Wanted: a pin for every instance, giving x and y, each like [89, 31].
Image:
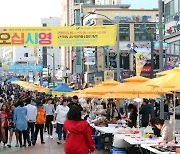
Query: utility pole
[117, 49]
[53, 70]
[161, 52]
[160, 36]
[81, 48]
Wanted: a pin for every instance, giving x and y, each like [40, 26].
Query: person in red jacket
[78, 139]
[5, 115]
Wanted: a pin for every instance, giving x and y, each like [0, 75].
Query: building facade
[132, 39]
[172, 30]
[78, 13]
[46, 53]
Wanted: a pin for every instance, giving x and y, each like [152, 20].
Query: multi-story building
[171, 19]
[79, 12]
[7, 55]
[46, 55]
[130, 34]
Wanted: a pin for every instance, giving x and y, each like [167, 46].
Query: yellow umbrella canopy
[167, 81]
[168, 72]
[31, 86]
[109, 82]
[136, 79]
[129, 83]
[129, 95]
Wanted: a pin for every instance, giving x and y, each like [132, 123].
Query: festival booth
[30, 86]
[136, 87]
[61, 89]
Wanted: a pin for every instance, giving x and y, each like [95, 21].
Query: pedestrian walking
[20, 120]
[60, 117]
[79, 139]
[49, 109]
[31, 117]
[12, 128]
[5, 115]
[40, 120]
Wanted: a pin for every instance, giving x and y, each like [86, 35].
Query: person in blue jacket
[20, 120]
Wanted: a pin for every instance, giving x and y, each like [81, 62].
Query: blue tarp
[12, 79]
[62, 88]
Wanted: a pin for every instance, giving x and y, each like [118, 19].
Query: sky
[30, 12]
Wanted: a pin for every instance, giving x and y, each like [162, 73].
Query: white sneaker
[48, 136]
[51, 137]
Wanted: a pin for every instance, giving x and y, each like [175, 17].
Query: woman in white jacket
[166, 131]
[60, 117]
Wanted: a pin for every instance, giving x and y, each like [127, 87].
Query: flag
[141, 59]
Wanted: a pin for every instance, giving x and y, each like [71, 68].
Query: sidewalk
[50, 147]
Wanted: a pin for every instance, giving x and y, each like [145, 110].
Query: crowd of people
[26, 113]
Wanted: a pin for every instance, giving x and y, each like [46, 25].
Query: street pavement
[50, 147]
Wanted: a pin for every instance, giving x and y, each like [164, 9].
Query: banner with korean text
[141, 59]
[58, 36]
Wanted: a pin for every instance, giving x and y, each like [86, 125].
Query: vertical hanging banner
[108, 75]
[141, 59]
[89, 55]
[58, 36]
[170, 61]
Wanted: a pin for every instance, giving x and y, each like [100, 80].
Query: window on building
[124, 32]
[124, 62]
[144, 35]
[78, 1]
[25, 54]
[78, 56]
[44, 25]
[177, 47]
[77, 17]
[169, 11]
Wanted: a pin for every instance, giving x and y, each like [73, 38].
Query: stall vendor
[166, 131]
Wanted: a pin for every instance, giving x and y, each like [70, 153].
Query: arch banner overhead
[58, 36]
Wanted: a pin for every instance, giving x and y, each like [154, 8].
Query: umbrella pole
[138, 125]
[174, 114]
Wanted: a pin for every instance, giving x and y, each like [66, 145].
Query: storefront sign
[58, 36]
[28, 67]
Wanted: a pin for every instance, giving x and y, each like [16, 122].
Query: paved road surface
[50, 147]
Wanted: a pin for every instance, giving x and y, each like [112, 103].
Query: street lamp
[53, 67]
[117, 40]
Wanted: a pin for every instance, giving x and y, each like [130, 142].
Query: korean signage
[58, 36]
[156, 46]
[135, 18]
[28, 67]
[89, 54]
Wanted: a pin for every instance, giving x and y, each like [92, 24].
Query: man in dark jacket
[146, 112]
[75, 102]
